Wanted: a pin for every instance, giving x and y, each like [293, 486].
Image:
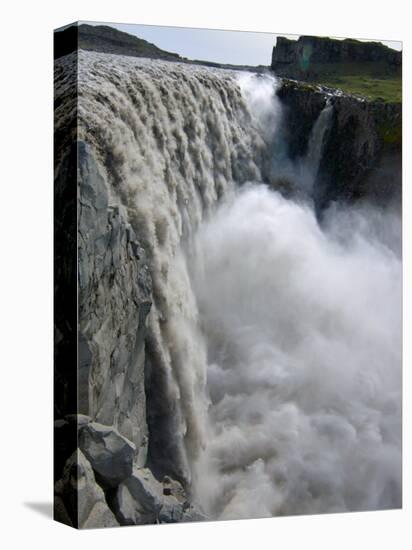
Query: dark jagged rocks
[101, 485]
[312, 56]
[114, 300]
[363, 145]
[362, 151]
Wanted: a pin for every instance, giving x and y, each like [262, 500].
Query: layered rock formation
[100, 481]
[102, 486]
[80, 500]
[312, 56]
[114, 301]
[361, 148]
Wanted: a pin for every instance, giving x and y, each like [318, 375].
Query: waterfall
[317, 140]
[273, 345]
[303, 334]
[172, 139]
[306, 169]
[295, 178]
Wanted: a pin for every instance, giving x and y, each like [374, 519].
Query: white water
[315, 147]
[304, 363]
[172, 139]
[279, 342]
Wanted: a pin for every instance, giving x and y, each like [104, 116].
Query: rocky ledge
[362, 149]
[312, 56]
[102, 485]
[101, 429]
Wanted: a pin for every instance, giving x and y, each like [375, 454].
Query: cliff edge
[311, 57]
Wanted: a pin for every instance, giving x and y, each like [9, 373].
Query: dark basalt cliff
[312, 56]
[362, 148]
[102, 297]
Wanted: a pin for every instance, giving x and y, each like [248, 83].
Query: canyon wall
[362, 152]
[313, 56]
[142, 160]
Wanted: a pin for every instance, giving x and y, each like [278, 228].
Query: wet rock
[65, 439]
[192, 513]
[110, 454]
[84, 501]
[142, 499]
[114, 300]
[171, 510]
[60, 512]
[139, 499]
[171, 487]
[361, 158]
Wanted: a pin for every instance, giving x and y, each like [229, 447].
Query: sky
[234, 47]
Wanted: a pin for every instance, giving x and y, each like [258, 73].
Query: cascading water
[304, 345]
[172, 139]
[273, 345]
[298, 177]
[315, 147]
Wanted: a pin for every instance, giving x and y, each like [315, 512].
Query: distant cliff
[312, 56]
[105, 39]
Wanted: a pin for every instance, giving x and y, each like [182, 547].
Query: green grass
[390, 134]
[384, 89]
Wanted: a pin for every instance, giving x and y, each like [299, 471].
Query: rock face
[100, 418]
[362, 146]
[65, 266]
[81, 501]
[303, 104]
[139, 499]
[313, 55]
[114, 301]
[102, 486]
[142, 499]
[110, 454]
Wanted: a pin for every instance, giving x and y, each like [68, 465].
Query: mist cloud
[303, 333]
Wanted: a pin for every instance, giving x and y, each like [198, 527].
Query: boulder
[65, 439]
[192, 513]
[60, 512]
[139, 499]
[84, 501]
[171, 510]
[142, 499]
[110, 454]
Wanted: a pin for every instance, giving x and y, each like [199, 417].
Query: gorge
[239, 294]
